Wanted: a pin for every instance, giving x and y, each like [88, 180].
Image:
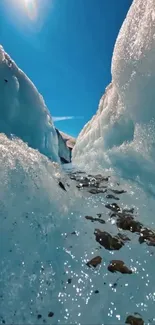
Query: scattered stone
[96, 291]
[39, 316]
[113, 207]
[73, 177]
[110, 196]
[94, 261]
[99, 215]
[148, 236]
[132, 320]
[73, 233]
[62, 186]
[100, 178]
[94, 219]
[123, 237]
[114, 285]
[50, 314]
[117, 191]
[97, 191]
[118, 266]
[128, 223]
[107, 241]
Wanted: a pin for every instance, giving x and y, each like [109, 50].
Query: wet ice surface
[44, 253]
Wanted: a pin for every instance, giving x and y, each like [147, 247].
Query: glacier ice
[45, 243]
[45, 239]
[121, 134]
[23, 111]
[64, 151]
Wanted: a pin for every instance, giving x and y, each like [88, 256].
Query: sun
[31, 8]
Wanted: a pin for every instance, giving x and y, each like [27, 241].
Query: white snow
[45, 239]
[23, 112]
[121, 134]
[39, 253]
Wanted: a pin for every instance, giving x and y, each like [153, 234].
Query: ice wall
[121, 134]
[23, 112]
[64, 152]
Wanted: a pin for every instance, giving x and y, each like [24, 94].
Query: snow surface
[45, 240]
[121, 134]
[23, 112]
[39, 253]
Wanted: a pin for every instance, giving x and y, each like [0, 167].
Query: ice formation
[46, 240]
[23, 112]
[45, 243]
[64, 151]
[70, 141]
[121, 134]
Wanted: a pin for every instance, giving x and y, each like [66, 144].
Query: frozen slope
[121, 134]
[23, 112]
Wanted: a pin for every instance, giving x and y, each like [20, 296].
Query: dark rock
[69, 281]
[107, 241]
[148, 236]
[113, 207]
[99, 177]
[128, 223]
[97, 191]
[62, 186]
[118, 266]
[99, 215]
[39, 316]
[114, 285]
[123, 237]
[117, 191]
[63, 160]
[94, 219]
[73, 177]
[78, 172]
[132, 320]
[110, 196]
[6, 80]
[50, 314]
[96, 291]
[94, 261]
[73, 233]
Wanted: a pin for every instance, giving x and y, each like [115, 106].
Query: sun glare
[31, 8]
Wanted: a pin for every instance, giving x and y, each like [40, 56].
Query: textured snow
[45, 240]
[39, 253]
[23, 112]
[121, 134]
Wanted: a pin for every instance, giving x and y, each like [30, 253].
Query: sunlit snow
[121, 134]
[47, 233]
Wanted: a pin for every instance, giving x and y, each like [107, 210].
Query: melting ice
[54, 222]
[121, 134]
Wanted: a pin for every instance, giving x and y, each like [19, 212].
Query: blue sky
[65, 49]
